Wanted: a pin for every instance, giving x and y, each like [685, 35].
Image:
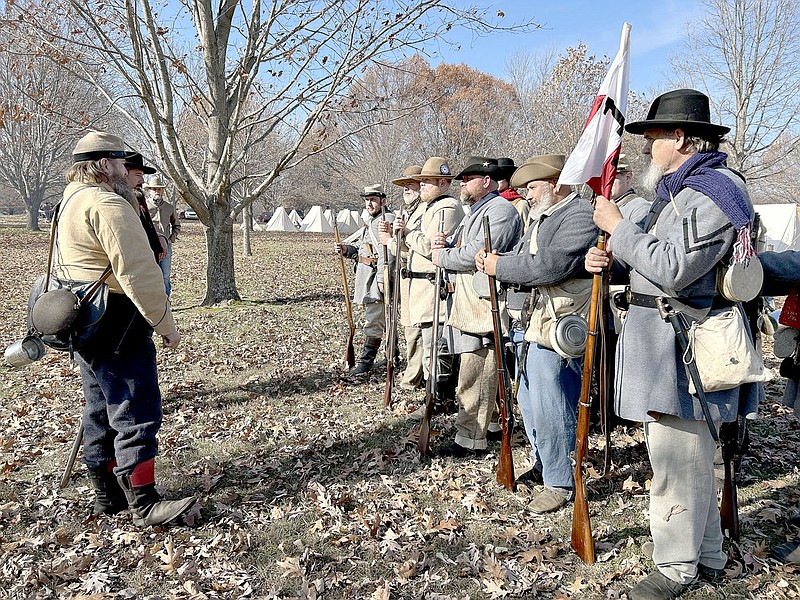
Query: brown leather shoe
[657, 586]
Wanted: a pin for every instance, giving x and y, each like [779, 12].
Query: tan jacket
[416, 295]
[97, 227]
[524, 209]
[165, 219]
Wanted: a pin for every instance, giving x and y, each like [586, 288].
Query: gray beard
[411, 200]
[651, 178]
[547, 201]
[121, 188]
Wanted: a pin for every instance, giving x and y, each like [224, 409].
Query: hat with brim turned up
[483, 166]
[679, 109]
[546, 166]
[408, 176]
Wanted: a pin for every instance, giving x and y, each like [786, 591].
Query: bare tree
[35, 134]
[245, 71]
[744, 54]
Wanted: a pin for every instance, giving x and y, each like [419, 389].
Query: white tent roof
[346, 222]
[280, 221]
[782, 225]
[295, 217]
[329, 216]
[365, 216]
[315, 222]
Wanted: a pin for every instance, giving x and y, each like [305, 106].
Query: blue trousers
[548, 398]
[166, 268]
[120, 385]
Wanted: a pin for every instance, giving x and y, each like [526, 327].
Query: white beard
[651, 178]
[546, 202]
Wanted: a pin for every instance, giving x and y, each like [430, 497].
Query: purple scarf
[699, 173]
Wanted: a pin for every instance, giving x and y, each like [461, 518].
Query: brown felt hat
[435, 167]
[546, 166]
[408, 175]
[155, 182]
[98, 144]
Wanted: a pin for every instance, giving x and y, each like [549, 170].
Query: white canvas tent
[346, 223]
[329, 216]
[280, 221]
[295, 217]
[315, 222]
[782, 225]
[365, 216]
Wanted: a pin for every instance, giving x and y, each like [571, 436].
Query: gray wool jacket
[677, 257]
[459, 261]
[562, 239]
[368, 276]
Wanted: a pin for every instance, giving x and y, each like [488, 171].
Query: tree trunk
[220, 275]
[247, 227]
[33, 218]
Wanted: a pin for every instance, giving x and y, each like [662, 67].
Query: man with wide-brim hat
[98, 227]
[469, 324]
[547, 283]
[134, 180]
[701, 219]
[368, 254]
[417, 284]
[510, 193]
[166, 220]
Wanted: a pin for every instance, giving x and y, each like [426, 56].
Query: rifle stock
[505, 465]
[350, 353]
[431, 386]
[582, 541]
[729, 509]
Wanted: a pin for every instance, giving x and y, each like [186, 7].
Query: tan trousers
[414, 373]
[476, 392]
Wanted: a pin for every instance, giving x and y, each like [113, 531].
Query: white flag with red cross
[594, 159]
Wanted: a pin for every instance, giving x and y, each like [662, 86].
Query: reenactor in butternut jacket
[417, 285]
[470, 326]
[98, 227]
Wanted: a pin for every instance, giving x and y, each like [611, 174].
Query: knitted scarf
[510, 194]
[699, 173]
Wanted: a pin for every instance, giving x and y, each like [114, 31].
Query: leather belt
[697, 302]
[450, 287]
[364, 260]
[406, 274]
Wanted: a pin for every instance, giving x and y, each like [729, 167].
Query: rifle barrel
[350, 354]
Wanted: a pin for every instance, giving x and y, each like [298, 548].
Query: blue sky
[656, 33]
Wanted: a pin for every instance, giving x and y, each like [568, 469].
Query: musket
[391, 322]
[505, 466]
[431, 386]
[76, 446]
[605, 369]
[582, 541]
[731, 440]
[350, 357]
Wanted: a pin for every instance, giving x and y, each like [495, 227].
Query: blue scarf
[699, 173]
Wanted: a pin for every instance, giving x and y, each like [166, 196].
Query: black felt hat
[137, 162]
[507, 167]
[685, 109]
[481, 165]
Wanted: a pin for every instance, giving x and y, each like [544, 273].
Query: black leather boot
[145, 503]
[109, 497]
[367, 358]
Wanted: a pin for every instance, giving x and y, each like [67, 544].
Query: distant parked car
[190, 215]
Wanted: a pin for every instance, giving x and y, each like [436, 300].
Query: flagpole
[594, 162]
